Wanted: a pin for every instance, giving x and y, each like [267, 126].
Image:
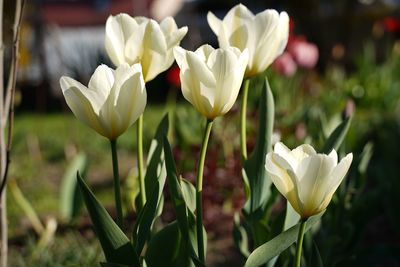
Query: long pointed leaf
[116, 246]
[254, 166]
[155, 180]
[336, 138]
[70, 199]
[156, 167]
[167, 248]
[185, 218]
[278, 244]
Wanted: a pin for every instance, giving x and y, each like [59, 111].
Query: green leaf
[167, 248]
[145, 220]
[185, 218]
[336, 138]
[254, 169]
[365, 157]
[275, 246]
[71, 199]
[240, 236]
[189, 194]
[155, 180]
[155, 161]
[116, 246]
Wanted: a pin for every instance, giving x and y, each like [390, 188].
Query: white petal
[180, 57]
[303, 151]
[172, 34]
[239, 70]
[153, 59]
[174, 38]
[273, 32]
[337, 176]
[134, 45]
[286, 153]
[204, 52]
[278, 175]
[284, 32]
[203, 83]
[79, 103]
[338, 173]
[214, 22]
[168, 25]
[118, 31]
[314, 177]
[132, 98]
[228, 75]
[102, 81]
[334, 156]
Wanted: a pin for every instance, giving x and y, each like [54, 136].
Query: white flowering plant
[211, 79]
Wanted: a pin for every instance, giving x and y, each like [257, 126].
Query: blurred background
[342, 59]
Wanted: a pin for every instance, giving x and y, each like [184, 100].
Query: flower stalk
[142, 191]
[299, 243]
[243, 112]
[199, 191]
[117, 185]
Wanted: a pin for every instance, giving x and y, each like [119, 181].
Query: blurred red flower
[173, 76]
[391, 24]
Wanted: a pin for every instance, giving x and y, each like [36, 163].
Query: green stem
[117, 186]
[299, 243]
[243, 112]
[199, 190]
[140, 160]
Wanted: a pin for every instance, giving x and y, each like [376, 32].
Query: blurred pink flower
[299, 52]
[304, 53]
[285, 65]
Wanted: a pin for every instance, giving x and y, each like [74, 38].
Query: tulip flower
[210, 81]
[211, 78]
[112, 101]
[265, 35]
[142, 40]
[306, 178]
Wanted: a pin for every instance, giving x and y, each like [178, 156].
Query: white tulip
[112, 101]
[142, 40]
[306, 178]
[265, 35]
[211, 78]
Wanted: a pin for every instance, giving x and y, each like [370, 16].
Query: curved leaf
[155, 180]
[185, 218]
[116, 246]
[167, 248]
[275, 246]
[70, 198]
[254, 170]
[336, 138]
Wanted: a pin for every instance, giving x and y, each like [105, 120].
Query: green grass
[40, 157]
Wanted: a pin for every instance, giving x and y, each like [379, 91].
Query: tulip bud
[306, 178]
[142, 40]
[211, 78]
[112, 101]
[265, 35]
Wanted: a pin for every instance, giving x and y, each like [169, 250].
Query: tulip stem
[243, 112]
[199, 190]
[140, 160]
[117, 186]
[299, 243]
